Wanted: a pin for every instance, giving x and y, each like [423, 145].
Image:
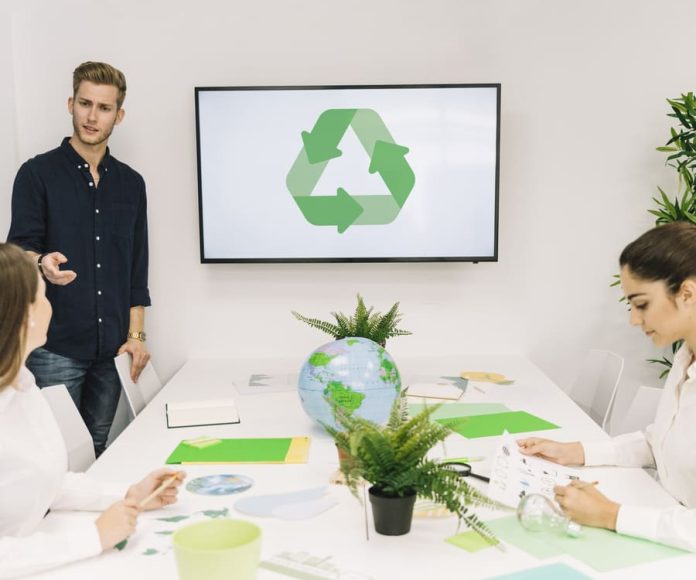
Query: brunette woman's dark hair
[666, 253]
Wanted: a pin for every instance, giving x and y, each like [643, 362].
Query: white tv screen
[348, 173]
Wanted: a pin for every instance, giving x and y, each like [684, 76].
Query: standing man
[82, 215]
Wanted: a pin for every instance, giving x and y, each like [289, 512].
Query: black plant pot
[392, 515]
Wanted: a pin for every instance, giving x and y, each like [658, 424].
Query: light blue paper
[296, 505]
[550, 572]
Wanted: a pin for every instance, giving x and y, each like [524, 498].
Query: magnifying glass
[464, 470]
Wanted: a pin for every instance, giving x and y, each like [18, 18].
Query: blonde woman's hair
[18, 285]
[100, 73]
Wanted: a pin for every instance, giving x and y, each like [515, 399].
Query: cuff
[599, 452]
[140, 297]
[637, 521]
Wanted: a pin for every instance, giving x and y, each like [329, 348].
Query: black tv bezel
[204, 260]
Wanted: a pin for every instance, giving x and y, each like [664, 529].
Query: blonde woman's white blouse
[669, 444]
[33, 479]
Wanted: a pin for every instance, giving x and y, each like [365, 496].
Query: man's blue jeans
[93, 385]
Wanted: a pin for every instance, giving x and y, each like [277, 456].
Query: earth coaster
[224, 484]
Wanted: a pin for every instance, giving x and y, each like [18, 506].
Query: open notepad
[200, 413]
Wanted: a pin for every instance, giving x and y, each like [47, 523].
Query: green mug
[220, 549]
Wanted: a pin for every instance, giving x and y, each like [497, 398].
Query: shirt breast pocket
[123, 222]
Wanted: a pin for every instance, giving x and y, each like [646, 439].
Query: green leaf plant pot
[392, 515]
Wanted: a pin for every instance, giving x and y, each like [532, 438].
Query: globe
[356, 374]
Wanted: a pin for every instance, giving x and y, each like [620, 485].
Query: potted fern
[392, 459]
[363, 323]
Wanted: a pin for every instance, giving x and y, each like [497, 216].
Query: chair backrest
[77, 439]
[141, 393]
[641, 411]
[594, 390]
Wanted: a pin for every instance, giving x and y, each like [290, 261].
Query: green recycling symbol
[321, 146]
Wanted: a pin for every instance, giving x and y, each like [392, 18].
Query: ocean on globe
[357, 374]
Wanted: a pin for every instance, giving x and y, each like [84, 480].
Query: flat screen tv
[348, 173]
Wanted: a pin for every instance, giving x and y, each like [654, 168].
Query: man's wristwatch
[140, 335]
[38, 263]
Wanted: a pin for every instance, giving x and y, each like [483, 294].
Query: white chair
[594, 390]
[77, 439]
[141, 393]
[641, 411]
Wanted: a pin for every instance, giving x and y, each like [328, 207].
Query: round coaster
[224, 484]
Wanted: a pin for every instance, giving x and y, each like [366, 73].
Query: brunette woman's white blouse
[33, 479]
[669, 444]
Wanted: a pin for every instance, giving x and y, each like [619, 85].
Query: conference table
[340, 542]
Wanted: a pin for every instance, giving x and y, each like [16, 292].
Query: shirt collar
[77, 159]
[683, 358]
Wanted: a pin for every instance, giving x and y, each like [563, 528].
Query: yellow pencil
[164, 485]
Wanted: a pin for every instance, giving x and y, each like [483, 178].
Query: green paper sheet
[234, 451]
[551, 572]
[598, 548]
[496, 424]
[469, 541]
[454, 410]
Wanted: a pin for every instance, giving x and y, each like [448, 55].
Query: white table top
[341, 532]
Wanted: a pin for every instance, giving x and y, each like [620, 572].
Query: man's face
[94, 112]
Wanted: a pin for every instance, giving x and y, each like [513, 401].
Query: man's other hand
[50, 266]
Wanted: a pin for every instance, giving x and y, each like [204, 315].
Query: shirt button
[96, 210]
[86, 165]
[91, 184]
[99, 292]
[100, 321]
[98, 265]
[97, 238]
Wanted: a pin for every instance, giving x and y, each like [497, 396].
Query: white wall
[8, 149]
[583, 108]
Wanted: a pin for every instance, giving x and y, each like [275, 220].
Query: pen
[164, 485]
[466, 459]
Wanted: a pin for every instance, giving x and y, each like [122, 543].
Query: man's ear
[687, 291]
[119, 116]
[70, 105]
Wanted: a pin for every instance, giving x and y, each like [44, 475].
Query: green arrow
[322, 143]
[388, 159]
[339, 210]
[303, 176]
[377, 210]
[370, 128]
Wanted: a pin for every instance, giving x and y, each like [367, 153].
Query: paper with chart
[514, 475]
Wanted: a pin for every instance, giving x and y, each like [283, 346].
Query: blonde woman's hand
[561, 453]
[117, 523]
[141, 490]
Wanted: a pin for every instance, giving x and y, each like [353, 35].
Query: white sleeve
[21, 556]
[628, 450]
[675, 526]
[81, 492]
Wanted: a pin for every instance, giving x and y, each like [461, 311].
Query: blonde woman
[658, 276]
[33, 460]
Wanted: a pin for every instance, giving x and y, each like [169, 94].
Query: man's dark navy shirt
[101, 230]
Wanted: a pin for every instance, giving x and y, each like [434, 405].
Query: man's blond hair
[100, 73]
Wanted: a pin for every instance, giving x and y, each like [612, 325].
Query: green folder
[261, 450]
[496, 424]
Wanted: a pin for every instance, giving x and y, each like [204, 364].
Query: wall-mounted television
[348, 173]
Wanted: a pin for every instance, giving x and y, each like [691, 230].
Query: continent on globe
[344, 396]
